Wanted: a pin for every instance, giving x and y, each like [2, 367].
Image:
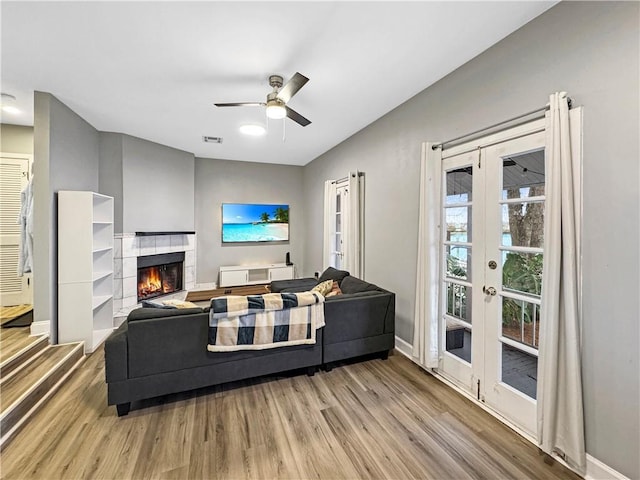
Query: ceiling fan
[277, 100]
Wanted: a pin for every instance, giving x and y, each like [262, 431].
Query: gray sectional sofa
[157, 352]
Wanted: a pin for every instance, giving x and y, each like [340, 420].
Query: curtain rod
[537, 110]
[344, 179]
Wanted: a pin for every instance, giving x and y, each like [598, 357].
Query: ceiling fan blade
[240, 104]
[296, 117]
[291, 88]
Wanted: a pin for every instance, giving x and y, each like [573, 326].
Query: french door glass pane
[520, 370]
[457, 224]
[458, 340]
[523, 175]
[522, 272]
[521, 321]
[523, 224]
[459, 185]
[459, 301]
[458, 261]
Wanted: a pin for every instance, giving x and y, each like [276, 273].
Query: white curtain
[329, 219]
[425, 332]
[354, 251]
[559, 399]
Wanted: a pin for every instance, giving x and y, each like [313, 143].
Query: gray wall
[220, 181]
[157, 187]
[16, 139]
[65, 158]
[110, 174]
[590, 50]
[152, 184]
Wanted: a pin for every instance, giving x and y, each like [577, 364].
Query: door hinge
[479, 157]
[478, 389]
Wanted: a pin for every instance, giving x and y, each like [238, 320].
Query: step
[18, 351]
[27, 387]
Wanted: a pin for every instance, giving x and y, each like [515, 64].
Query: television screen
[248, 222]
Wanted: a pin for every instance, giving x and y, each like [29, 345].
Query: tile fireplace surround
[128, 247]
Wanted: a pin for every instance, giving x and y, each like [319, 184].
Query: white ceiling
[154, 69]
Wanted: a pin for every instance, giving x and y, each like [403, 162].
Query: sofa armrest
[295, 285]
[115, 355]
[390, 317]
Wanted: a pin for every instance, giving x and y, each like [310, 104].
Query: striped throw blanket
[256, 322]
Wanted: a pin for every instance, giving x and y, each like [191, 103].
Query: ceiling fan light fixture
[253, 130]
[276, 110]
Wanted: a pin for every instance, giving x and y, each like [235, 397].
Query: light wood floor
[7, 313]
[12, 340]
[374, 419]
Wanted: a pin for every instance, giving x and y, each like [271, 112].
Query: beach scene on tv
[244, 222]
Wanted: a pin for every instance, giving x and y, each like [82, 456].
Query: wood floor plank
[14, 339]
[373, 419]
[8, 313]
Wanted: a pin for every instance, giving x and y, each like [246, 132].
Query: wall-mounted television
[252, 222]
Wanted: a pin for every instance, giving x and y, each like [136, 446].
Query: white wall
[590, 50]
[220, 181]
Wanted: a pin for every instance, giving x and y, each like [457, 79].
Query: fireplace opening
[159, 275]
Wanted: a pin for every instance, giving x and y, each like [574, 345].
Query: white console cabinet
[237, 275]
[85, 268]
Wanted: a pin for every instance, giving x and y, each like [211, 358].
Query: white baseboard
[41, 328]
[404, 348]
[596, 470]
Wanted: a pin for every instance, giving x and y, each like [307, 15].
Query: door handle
[489, 291]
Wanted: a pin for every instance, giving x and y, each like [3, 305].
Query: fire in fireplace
[159, 274]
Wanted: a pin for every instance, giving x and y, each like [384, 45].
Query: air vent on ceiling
[212, 139]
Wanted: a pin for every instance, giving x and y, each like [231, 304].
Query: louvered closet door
[14, 290]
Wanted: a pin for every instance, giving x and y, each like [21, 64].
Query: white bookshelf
[85, 268]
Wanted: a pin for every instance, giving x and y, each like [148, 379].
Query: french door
[491, 247]
[340, 227]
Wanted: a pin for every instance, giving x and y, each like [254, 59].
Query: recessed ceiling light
[10, 109]
[254, 130]
[7, 101]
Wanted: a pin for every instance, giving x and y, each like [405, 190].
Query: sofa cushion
[296, 285]
[355, 285]
[146, 313]
[150, 304]
[179, 303]
[333, 274]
